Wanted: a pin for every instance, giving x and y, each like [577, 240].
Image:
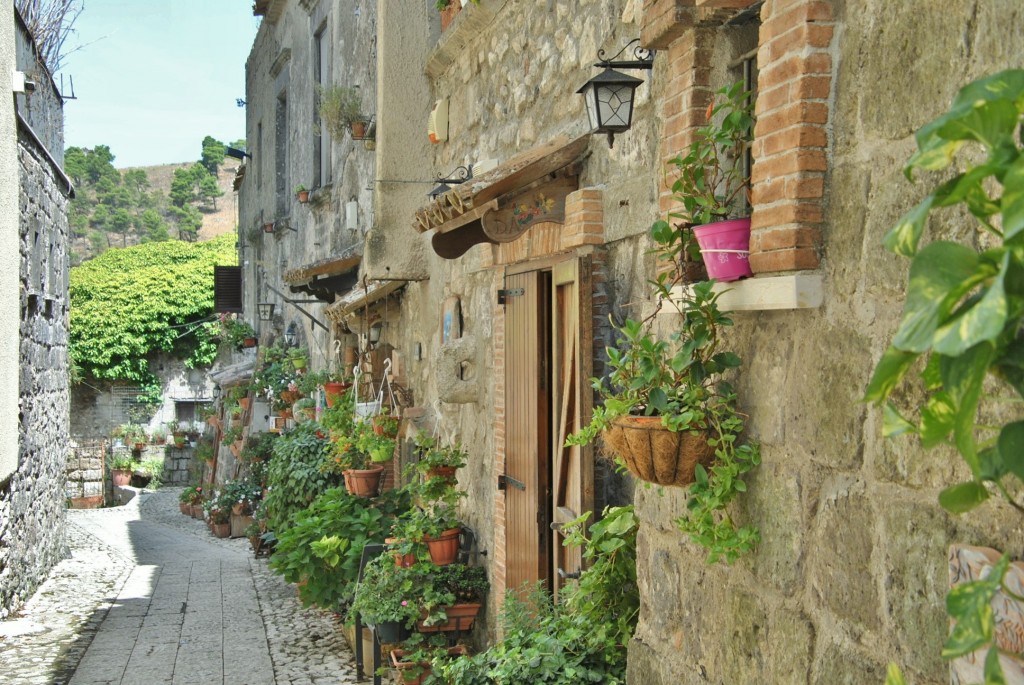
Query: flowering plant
[193, 494]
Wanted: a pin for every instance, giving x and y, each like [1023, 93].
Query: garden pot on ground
[655, 454]
[197, 511]
[90, 502]
[222, 530]
[444, 549]
[363, 482]
[239, 522]
[404, 667]
[185, 508]
[250, 342]
[121, 477]
[725, 248]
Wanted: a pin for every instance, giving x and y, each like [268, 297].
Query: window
[321, 136]
[281, 155]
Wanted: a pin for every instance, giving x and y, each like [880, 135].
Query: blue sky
[155, 76]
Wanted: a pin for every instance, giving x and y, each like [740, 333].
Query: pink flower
[405, 603]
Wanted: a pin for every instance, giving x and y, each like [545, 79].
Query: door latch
[505, 480]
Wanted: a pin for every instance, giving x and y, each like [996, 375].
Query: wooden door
[572, 473]
[526, 429]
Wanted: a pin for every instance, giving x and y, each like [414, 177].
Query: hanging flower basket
[334, 391]
[655, 454]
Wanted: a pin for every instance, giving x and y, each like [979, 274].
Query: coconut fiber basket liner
[655, 454]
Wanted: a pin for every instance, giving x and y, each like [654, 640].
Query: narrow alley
[147, 596]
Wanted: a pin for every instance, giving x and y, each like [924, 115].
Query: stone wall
[851, 572]
[32, 499]
[281, 78]
[85, 476]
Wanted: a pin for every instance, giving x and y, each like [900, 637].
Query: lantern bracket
[643, 58]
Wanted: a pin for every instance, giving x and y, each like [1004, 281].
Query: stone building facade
[32, 485]
[851, 571]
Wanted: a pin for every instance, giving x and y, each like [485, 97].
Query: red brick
[782, 16]
[769, 191]
[770, 239]
[805, 187]
[812, 88]
[781, 215]
[772, 99]
[806, 136]
[801, 112]
[794, 259]
[664, 21]
[792, 67]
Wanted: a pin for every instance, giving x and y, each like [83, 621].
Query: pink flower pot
[725, 247]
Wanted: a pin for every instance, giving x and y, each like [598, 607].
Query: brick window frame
[791, 137]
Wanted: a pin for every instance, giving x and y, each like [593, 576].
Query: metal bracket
[509, 292]
[568, 576]
[505, 480]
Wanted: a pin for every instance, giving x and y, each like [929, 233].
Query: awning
[325, 278]
[361, 296]
[234, 374]
[236, 183]
[502, 204]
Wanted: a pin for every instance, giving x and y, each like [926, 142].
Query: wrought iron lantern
[266, 310]
[609, 96]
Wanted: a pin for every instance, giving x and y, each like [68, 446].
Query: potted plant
[384, 423]
[159, 436]
[711, 180]
[301, 193]
[237, 333]
[305, 409]
[340, 109]
[362, 477]
[121, 468]
[193, 494]
[133, 435]
[413, 660]
[388, 598]
[671, 418]
[298, 356]
[205, 451]
[436, 460]
[334, 389]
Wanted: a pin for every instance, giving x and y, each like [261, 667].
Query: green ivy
[129, 304]
[294, 476]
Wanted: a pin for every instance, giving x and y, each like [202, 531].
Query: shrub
[294, 478]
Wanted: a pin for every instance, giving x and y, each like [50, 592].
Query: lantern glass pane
[590, 98]
[616, 105]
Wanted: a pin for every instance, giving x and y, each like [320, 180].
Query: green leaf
[961, 498]
[937, 418]
[984, 320]
[903, 238]
[970, 605]
[1011, 448]
[990, 123]
[893, 676]
[891, 368]
[893, 423]
[941, 273]
[1012, 201]
[963, 378]
[993, 669]
[990, 465]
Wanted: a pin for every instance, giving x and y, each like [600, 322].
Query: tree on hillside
[130, 304]
[212, 155]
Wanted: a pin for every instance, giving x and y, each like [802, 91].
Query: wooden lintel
[469, 217]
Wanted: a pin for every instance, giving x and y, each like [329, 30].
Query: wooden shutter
[572, 473]
[227, 289]
[526, 431]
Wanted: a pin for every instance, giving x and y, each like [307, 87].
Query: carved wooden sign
[515, 217]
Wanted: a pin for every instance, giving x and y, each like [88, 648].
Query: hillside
[215, 223]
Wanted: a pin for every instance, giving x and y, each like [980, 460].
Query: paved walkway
[149, 597]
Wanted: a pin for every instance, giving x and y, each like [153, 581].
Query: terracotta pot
[244, 403]
[398, 661]
[237, 509]
[460, 618]
[444, 549]
[334, 391]
[120, 477]
[401, 560]
[358, 130]
[289, 396]
[222, 530]
[447, 472]
[363, 482]
[448, 14]
[268, 228]
[197, 511]
[655, 454]
[302, 196]
[185, 508]
[91, 502]
[250, 342]
[139, 446]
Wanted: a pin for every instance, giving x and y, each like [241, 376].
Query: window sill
[791, 291]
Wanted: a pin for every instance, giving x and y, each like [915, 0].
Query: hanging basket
[655, 454]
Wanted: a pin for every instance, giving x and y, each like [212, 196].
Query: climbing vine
[129, 304]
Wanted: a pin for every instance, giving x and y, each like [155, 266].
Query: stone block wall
[32, 499]
[85, 472]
